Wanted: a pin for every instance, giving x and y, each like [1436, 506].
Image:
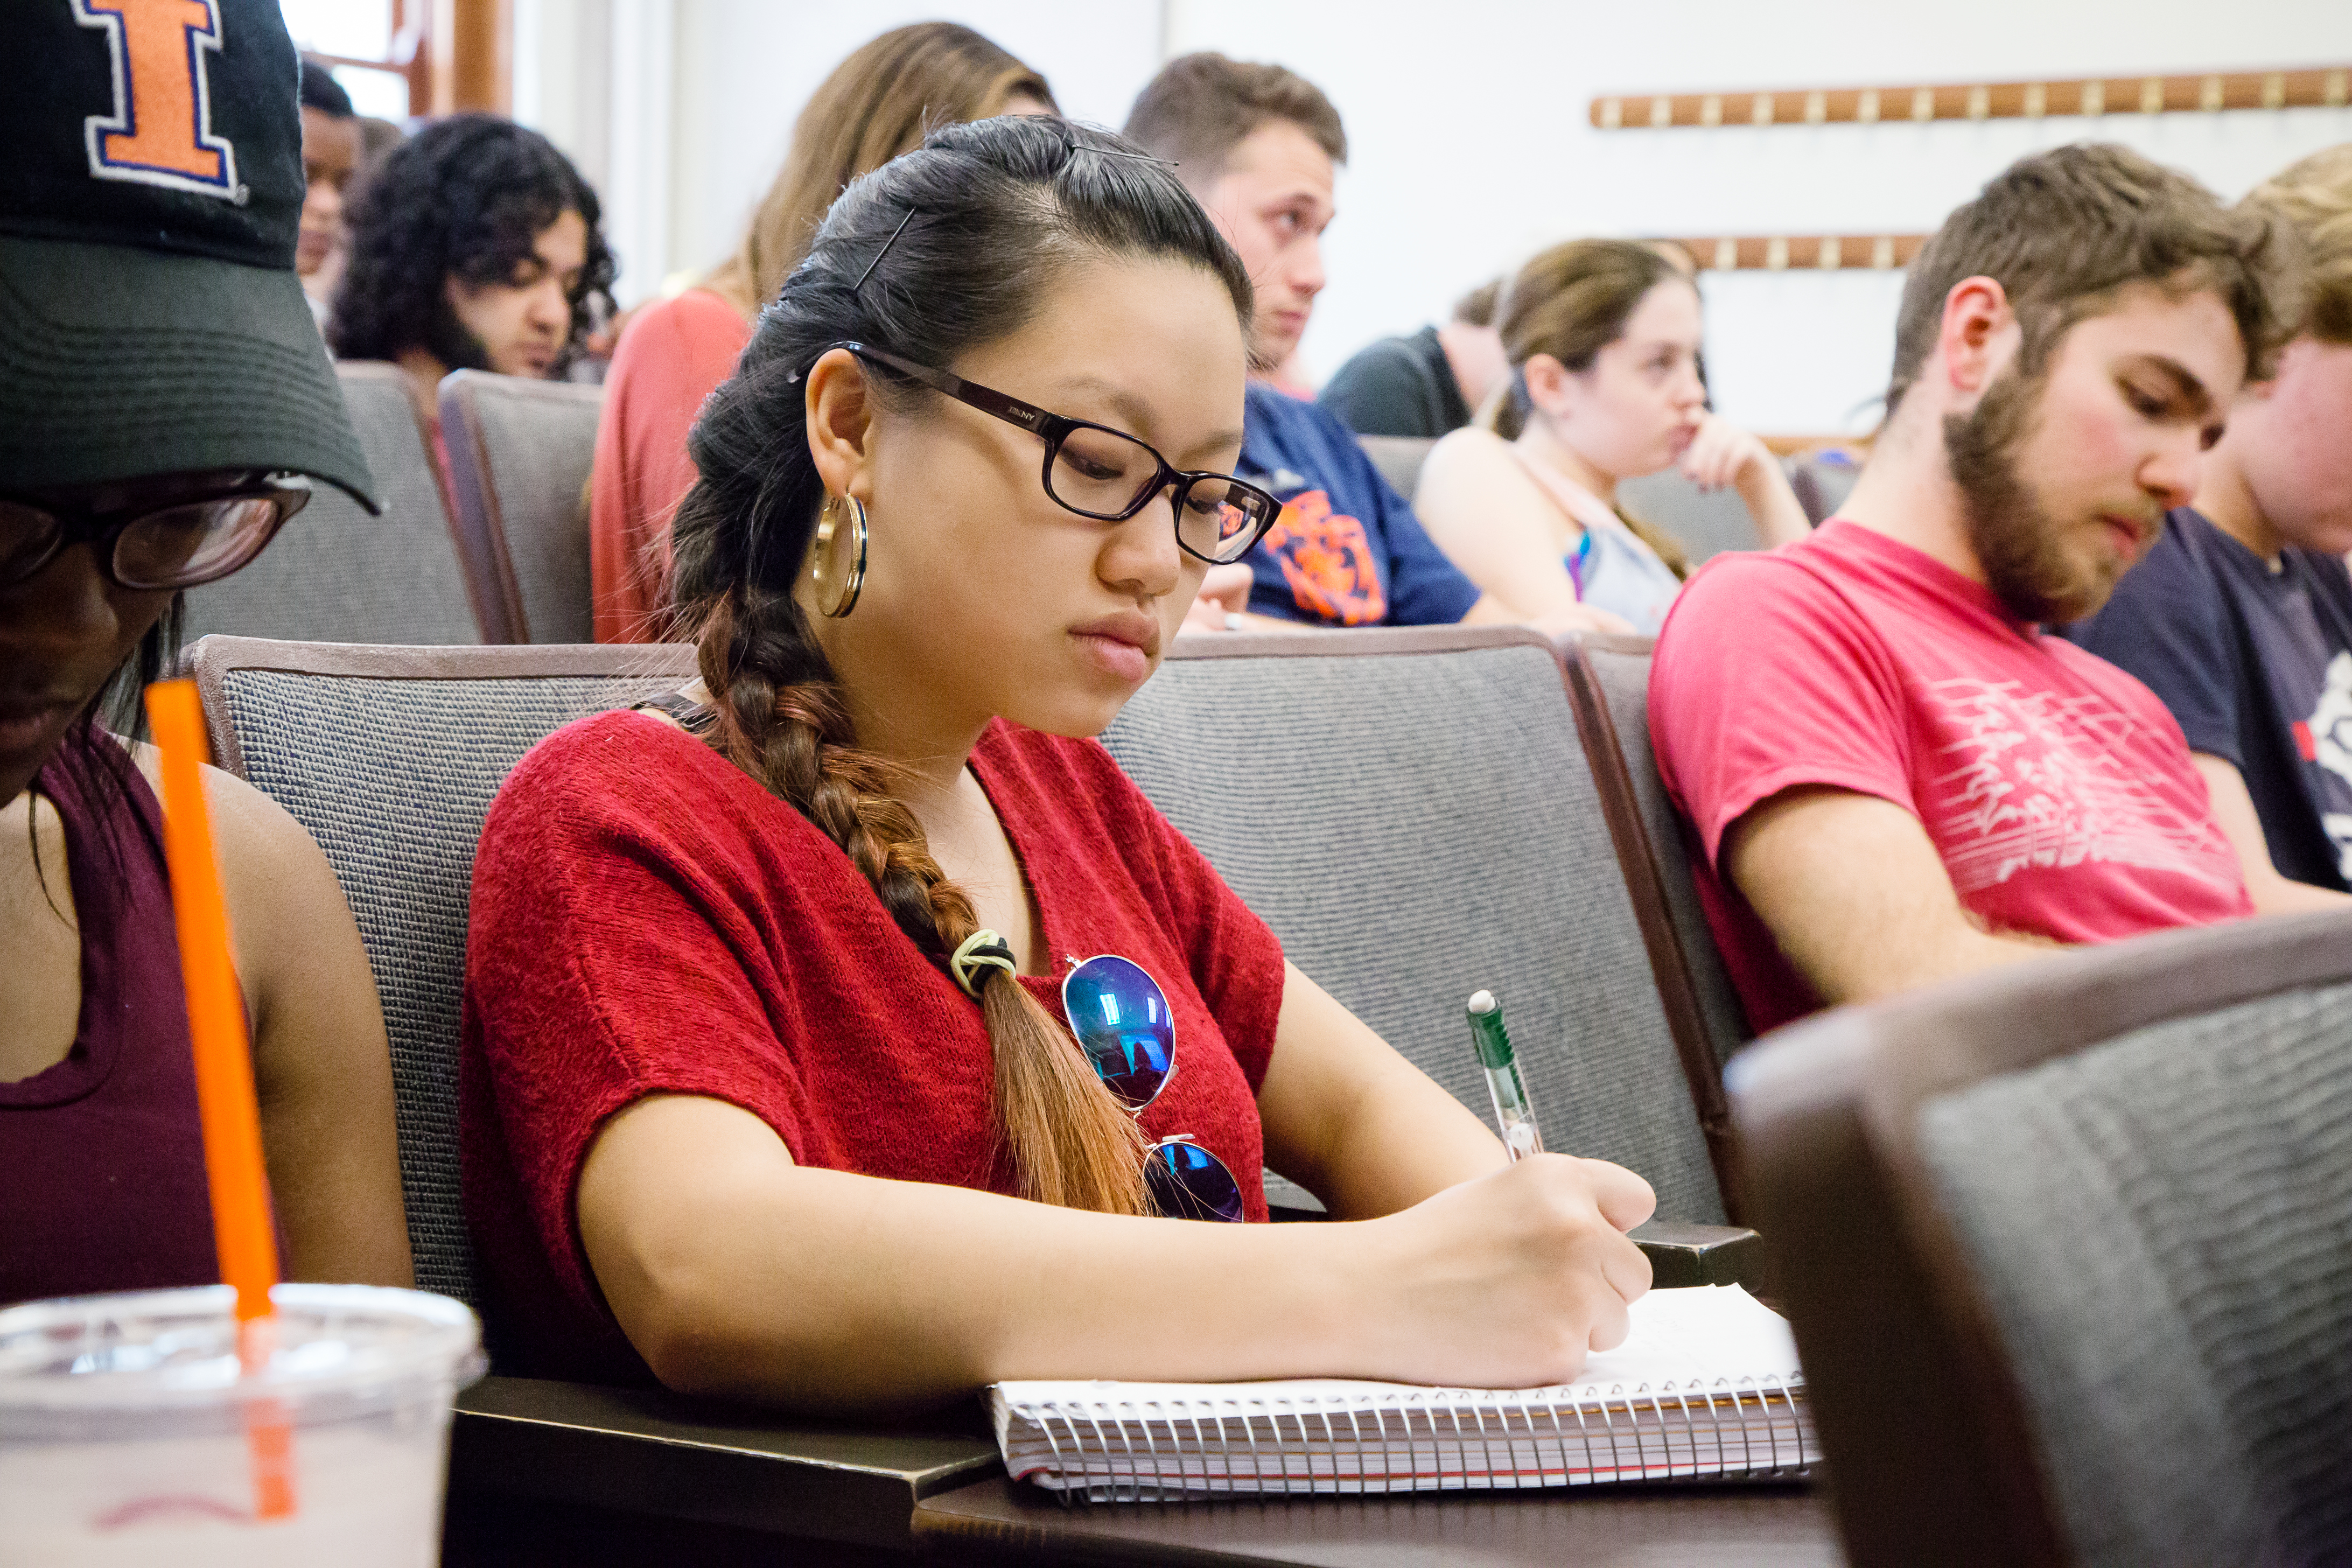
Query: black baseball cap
[150, 320]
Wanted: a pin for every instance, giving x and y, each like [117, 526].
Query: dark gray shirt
[1399, 386]
[2256, 663]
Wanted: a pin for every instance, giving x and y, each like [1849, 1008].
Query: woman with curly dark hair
[474, 246]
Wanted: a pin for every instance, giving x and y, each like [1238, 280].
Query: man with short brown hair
[1894, 774]
[1257, 145]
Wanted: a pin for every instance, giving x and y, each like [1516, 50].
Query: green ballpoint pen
[1513, 1114]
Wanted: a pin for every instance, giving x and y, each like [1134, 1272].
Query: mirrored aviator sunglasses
[1123, 1023]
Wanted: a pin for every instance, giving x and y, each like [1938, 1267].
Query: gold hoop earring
[840, 567]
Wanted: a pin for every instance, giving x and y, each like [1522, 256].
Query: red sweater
[673, 357]
[647, 919]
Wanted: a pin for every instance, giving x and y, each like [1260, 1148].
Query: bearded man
[1893, 773]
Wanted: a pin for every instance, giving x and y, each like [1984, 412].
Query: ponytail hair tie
[983, 950]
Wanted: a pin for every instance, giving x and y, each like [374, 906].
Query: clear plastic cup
[123, 1428]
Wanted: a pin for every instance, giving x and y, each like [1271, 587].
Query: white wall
[1470, 147]
[1467, 125]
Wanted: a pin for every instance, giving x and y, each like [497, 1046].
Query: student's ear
[840, 423]
[1980, 334]
[1548, 383]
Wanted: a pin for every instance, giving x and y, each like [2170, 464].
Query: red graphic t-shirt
[2058, 789]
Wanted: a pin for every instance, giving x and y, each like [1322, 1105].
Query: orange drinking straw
[224, 1099]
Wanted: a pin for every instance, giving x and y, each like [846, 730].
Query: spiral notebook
[1705, 1386]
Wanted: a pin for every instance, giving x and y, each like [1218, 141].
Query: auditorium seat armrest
[1285, 1199]
[646, 1451]
[1681, 1254]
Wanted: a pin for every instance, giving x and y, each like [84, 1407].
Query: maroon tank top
[101, 1158]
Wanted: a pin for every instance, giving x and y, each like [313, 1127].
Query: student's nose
[1689, 391]
[1142, 554]
[550, 308]
[1306, 266]
[2171, 474]
[65, 603]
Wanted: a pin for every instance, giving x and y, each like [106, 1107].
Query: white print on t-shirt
[2331, 747]
[2041, 780]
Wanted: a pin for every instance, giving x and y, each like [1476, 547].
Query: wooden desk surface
[702, 1462]
[1751, 1526]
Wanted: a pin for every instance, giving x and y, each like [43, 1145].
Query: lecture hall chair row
[510, 566]
[1955, 1229]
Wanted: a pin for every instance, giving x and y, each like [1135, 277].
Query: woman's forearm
[968, 1287]
[734, 1271]
[1404, 1143]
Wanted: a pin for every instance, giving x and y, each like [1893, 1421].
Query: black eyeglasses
[177, 546]
[1099, 472]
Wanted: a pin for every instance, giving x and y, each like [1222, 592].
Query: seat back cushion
[336, 574]
[1418, 826]
[2161, 1228]
[392, 778]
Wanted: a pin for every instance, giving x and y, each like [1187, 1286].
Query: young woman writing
[1603, 338]
[770, 1087]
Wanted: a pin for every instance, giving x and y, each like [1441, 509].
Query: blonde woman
[879, 102]
[1603, 339]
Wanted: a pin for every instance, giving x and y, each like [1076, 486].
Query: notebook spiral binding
[1427, 1441]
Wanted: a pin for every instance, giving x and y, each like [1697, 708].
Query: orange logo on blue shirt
[1328, 561]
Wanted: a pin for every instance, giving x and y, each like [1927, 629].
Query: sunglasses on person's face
[181, 545]
[1099, 472]
[1122, 1021]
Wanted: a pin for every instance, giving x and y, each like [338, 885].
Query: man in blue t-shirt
[2241, 618]
[1258, 145]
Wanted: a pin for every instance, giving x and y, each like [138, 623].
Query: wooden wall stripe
[2313, 87]
[1787, 252]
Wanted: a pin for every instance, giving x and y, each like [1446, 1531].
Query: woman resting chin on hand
[771, 1089]
[1603, 338]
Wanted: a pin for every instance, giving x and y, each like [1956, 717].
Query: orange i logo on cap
[160, 131]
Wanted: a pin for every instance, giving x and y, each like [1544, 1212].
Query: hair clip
[1076, 146]
[878, 255]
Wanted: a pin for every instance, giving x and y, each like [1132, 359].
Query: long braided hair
[986, 217]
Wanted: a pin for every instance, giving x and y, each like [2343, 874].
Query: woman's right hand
[1508, 1281]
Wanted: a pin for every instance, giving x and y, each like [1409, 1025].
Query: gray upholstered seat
[2162, 1228]
[1418, 825]
[1619, 670]
[389, 758]
[336, 574]
[2115, 1327]
[1707, 522]
[519, 455]
[1398, 458]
